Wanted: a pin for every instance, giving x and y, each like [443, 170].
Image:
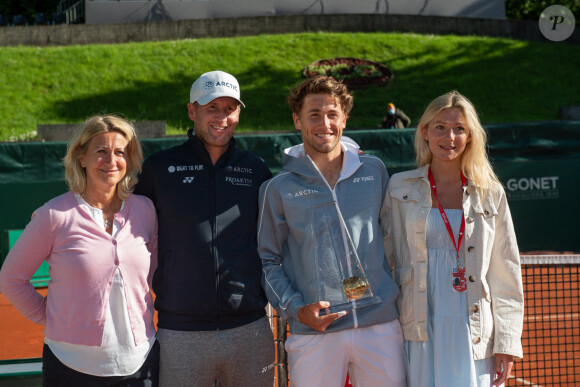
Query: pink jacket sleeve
[25, 257]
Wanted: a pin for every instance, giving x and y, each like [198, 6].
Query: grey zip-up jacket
[287, 245]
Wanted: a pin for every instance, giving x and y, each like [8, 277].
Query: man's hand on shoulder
[310, 315]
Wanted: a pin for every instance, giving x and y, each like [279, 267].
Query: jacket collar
[479, 204]
[419, 173]
[199, 147]
[296, 160]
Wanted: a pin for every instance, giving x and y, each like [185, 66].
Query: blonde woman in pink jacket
[100, 243]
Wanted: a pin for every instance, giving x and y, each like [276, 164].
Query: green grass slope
[507, 80]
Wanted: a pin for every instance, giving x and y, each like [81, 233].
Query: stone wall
[244, 26]
[63, 132]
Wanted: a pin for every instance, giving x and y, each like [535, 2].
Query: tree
[531, 9]
[27, 8]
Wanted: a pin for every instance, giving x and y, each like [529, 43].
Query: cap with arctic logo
[212, 85]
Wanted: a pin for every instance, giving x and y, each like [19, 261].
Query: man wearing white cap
[212, 325]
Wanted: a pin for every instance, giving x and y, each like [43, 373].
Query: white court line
[525, 382]
[550, 259]
[568, 317]
[19, 368]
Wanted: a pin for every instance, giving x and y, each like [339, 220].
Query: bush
[27, 8]
[531, 9]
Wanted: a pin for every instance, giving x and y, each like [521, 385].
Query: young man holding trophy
[320, 240]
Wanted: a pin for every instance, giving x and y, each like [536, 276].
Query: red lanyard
[444, 216]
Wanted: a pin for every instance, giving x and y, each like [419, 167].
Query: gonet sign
[531, 188]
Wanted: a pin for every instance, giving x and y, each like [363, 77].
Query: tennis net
[551, 336]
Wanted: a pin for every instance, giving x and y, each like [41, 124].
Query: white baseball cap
[212, 85]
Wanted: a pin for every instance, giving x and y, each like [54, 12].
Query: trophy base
[350, 305]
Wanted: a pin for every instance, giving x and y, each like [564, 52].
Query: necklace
[107, 223]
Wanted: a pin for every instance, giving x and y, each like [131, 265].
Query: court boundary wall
[74, 34]
[536, 162]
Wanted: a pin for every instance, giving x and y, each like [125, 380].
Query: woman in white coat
[452, 243]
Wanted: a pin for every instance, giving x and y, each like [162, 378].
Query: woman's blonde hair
[75, 174]
[474, 161]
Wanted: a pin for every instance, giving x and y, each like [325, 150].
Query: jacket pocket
[404, 278]
[487, 212]
[487, 325]
[405, 194]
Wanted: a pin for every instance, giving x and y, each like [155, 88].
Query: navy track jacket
[209, 270]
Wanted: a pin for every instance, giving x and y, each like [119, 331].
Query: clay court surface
[551, 335]
[20, 338]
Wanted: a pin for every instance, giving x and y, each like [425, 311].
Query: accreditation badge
[459, 282]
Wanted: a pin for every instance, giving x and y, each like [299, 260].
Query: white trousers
[373, 356]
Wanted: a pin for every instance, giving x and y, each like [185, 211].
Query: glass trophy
[340, 275]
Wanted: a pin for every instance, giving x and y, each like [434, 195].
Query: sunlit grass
[507, 80]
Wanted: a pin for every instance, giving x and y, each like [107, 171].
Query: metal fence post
[282, 365]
